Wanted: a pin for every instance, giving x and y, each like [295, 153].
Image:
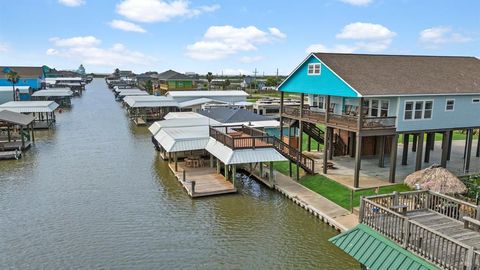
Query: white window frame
[446, 105]
[379, 109]
[413, 109]
[316, 69]
[316, 100]
[476, 100]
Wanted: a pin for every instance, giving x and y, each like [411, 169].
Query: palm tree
[13, 77]
[209, 79]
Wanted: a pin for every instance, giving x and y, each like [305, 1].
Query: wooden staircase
[313, 131]
[292, 153]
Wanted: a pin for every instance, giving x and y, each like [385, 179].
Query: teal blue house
[364, 103]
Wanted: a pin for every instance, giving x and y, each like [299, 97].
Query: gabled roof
[23, 72]
[172, 75]
[232, 115]
[394, 75]
[199, 101]
[377, 252]
[15, 118]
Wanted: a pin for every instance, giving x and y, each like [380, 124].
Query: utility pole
[255, 78]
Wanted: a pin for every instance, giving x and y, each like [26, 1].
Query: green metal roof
[377, 252]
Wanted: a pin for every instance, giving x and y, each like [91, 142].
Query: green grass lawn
[282, 167]
[457, 135]
[340, 194]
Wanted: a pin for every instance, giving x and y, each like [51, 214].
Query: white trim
[476, 100]
[446, 104]
[314, 69]
[379, 108]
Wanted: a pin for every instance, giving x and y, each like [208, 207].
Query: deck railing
[341, 120]
[377, 212]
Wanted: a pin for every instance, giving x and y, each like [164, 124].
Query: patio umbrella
[438, 179]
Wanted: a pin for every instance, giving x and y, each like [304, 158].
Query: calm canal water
[93, 194]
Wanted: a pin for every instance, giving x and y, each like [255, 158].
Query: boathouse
[42, 111]
[359, 105]
[148, 108]
[19, 133]
[62, 96]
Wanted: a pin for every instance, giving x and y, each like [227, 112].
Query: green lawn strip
[340, 194]
[282, 167]
[457, 135]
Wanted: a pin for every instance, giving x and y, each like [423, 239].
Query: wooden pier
[202, 181]
[16, 154]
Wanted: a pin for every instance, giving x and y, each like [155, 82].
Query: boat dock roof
[148, 101]
[53, 92]
[29, 106]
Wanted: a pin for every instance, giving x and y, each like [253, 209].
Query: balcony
[342, 121]
[439, 228]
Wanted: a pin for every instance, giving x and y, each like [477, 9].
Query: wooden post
[290, 169]
[325, 150]
[351, 144]
[193, 187]
[393, 159]
[272, 179]
[211, 161]
[309, 143]
[300, 122]
[327, 109]
[406, 232]
[414, 143]
[468, 154]
[32, 131]
[470, 263]
[234, 172]
[330, 144]
[218, 166]
[478, 144]
[381, 152]
[184, 174]
[406, 138]
[428, 148]
[418, 163]
[23, 137]
[358, 161]
[282, 96]
[261, 169]
[227, 172]
[9, 136]
[289, 135]
[175, 158]
[361, 210]
[450, 145]
[445, 142]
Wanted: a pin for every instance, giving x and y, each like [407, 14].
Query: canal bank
[92, 193]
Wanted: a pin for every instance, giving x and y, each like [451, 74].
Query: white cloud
[87, 50]
[251, 59]
[72, 3]
[149, 11]
[127, 26]
[335, 49]
[221, 41]
[358, 2]
[233, 71]
[276, 32]
[85, 41]
[368, 36]
[436, 36]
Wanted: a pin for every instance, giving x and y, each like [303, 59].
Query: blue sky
[229, 36]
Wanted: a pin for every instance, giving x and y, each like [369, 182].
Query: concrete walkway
[329, 212]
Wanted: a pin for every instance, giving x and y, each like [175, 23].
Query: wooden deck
[16, 145]
[428, 224]
[207, 181]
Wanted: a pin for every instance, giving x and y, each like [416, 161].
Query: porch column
[282, 96]
[330, 144]
[218, 166]
[211, 161]
[227, 171]
[478, 144]
[468, 154]
[32, 131]
[8, 133]
[418, 163]
[261, 169]
[445, 141]
[309, 143]
[406, 138]
[289, 135]
[393, 158]
[351, 143]
[381, 152]
[450, 145]
[414, 143]
[358, 160]
[428, 148]
[300, 123]
[325, 149]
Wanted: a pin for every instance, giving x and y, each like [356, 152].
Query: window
[377, 107]
[313, 69]
[418, 110]
[318, 101]
[450, 105]
[476, 100]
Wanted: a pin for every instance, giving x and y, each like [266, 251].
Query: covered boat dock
[144, 109]
[42, 111]
[17, 134]
[62, 96]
